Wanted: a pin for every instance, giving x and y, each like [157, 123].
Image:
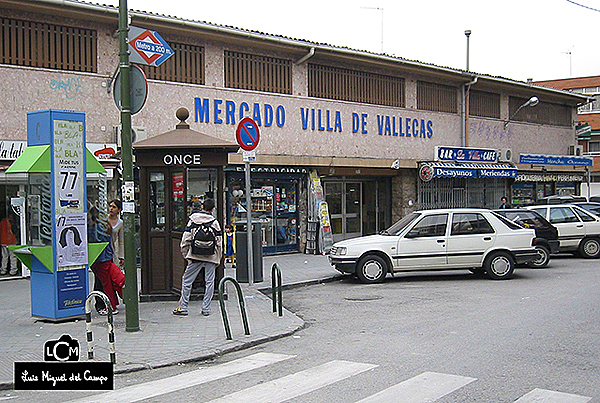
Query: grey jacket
[186, 240]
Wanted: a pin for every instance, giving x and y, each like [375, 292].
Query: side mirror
[412, 234]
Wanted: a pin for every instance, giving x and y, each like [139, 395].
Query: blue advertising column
[59, 248]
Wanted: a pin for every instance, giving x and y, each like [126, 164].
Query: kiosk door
[158, 257]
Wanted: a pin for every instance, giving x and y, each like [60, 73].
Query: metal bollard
[276, 288]
[242, 306]
[88, 325]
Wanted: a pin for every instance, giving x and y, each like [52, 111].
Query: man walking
[202, 247]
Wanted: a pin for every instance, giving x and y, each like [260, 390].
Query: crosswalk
[427, 387]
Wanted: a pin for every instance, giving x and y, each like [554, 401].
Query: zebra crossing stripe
[424, 388]
[549, 396]
[159, 387]
[300, 383]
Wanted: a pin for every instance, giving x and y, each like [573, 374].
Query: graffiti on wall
[70, 86]
[491, 131]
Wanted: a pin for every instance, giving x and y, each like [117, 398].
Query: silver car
[578, 229]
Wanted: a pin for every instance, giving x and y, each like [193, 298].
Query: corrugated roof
[463, 74]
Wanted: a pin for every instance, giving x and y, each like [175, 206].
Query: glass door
[345, 208]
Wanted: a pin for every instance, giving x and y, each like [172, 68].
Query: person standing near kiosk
[202, 247]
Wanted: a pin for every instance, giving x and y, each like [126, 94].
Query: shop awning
[449, 170]
[36, 159]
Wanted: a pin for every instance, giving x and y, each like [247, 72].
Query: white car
[578, 229]
[474, 239]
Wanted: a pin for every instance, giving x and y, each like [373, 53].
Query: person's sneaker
[103, 312]
[177, 311]
[205, 313]
[115, 311]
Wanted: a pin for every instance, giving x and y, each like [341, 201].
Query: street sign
[138, 89]
[148, 47]
[247, 134]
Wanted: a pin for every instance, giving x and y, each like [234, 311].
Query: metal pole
[130, 291]
[249, 224]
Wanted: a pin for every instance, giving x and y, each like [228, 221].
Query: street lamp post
[533, 101]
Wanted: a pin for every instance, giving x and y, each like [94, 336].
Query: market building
[373, 135]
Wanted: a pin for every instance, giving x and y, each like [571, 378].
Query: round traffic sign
[247, 134]
[138, 89]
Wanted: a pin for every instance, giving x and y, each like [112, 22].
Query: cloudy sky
[518, 39]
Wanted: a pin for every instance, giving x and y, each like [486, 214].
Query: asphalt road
[435, 337]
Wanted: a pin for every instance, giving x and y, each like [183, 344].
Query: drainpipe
[463, 112]
[307, 56]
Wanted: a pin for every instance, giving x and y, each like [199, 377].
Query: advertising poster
[68, 166]
[71, 233]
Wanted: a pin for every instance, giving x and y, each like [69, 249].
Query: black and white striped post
[88, 325]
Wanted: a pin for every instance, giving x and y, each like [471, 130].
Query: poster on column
[71, 232]
[69, 157]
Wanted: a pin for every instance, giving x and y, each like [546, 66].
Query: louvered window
[356, 86]
[185, 66]
[258, 73]
[544, 113]
[436, 97]
[38, 44]
[485, 104]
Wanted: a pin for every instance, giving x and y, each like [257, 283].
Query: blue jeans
[190, 274]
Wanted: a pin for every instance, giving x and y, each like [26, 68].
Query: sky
[516, 39]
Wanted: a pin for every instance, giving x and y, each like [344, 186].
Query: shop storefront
[464, 184]
[278, 198]
[532, 186]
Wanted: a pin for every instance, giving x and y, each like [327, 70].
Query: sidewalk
[164, 339]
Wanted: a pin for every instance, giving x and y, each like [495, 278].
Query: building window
[37, 44]
[258, 73]
[185, 66]
[594, 146]
[436, 97]
[355, 86]
[593, 106]
[544, 113]
[484, 104]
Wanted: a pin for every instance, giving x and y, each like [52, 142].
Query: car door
[571, 229]
[424, 245]
[471, 235]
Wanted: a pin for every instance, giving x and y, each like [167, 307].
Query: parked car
[474, 239]
[546, 234]
[591, 207]
[578, 230]
[556, 199]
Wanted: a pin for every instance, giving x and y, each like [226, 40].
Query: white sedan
[474, 239]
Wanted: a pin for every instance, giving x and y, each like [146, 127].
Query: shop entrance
[345, 208]
[357, 207]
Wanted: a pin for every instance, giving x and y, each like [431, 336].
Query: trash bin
[241, 252]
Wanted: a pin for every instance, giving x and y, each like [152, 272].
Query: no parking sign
[247, 134]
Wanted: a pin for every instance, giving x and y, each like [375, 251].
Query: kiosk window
[157, 201]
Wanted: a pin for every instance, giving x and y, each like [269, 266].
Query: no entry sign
[247, 134]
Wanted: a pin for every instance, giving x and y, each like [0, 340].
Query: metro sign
[148, 47]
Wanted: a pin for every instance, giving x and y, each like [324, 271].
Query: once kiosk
[176, 168]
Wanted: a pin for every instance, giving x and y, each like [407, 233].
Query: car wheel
[499, 266]
[542, 259]
[371, 269]
[590, 248]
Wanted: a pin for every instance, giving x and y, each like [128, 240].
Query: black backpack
[204, 241]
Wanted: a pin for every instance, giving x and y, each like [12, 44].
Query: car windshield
[400, 225]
